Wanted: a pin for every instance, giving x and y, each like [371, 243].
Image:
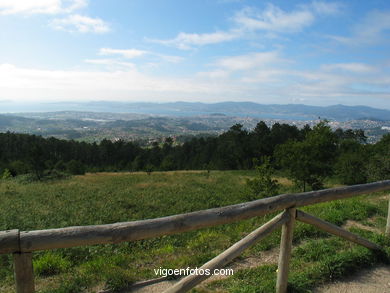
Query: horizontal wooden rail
[228, 255]
[28, 241]
[9, 241]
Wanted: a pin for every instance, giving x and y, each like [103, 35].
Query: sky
[279, 52]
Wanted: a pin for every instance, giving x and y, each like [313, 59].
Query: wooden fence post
[388, 220]
[218, 262]
[24, 276]
[285, 252]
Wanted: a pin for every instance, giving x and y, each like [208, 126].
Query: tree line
[307, 155]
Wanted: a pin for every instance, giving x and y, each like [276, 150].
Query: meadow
[103, 198]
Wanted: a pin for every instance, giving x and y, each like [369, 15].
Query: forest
[307, 155]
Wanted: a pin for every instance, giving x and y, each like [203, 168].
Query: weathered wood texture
[144, 229]
[24, 276]
[285, 252]
[9, 241]
[228, 255]
[336, 230]
[388, 220]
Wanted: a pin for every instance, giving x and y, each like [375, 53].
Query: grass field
[104, 198]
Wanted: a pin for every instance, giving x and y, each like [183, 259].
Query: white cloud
[127, 53]
[112, 63]
[254, 76]
[274, 19]
[350, 67]
[373, 29]
[269, 76]
[267, 73]
[40, 6]
[70, 23]
[330, 81]
[249, 61]
[120, 84]
[255, 68]
[81, 24]
[170, 58]
[374, 26]
[187, 40]
[324, 8]
[214, 74]
[270, 20]
[135, 53]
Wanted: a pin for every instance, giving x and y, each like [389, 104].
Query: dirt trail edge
[373, 280]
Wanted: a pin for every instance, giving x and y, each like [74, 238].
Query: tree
[37, 159]
[260, 142]
[379, 163]
[168, 163]
[351, 164]
[309, 161]
[351, 168]
[263, 185]
[350, 134]
[233, 149]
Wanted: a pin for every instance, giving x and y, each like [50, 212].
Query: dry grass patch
[284, 181]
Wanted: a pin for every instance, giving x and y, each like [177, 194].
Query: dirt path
[374, 280]
[267, 257]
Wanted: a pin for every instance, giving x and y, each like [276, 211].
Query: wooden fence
[22, 243]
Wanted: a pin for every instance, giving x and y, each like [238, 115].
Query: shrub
[51, 264]
[351, 168]
[18, 167]
[75, 167]
[378, 168]
[6, 174]
[263, 185]
[149, 169]
[60, 166]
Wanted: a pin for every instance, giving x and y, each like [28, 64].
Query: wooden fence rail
[22, 243]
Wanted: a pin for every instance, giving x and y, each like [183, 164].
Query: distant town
[147, 129]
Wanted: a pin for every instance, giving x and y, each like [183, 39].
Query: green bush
[51, 264]
[351, 168]
[18, 167]
[6, 174]
[263, 185]
[75, 167]
[118, 278]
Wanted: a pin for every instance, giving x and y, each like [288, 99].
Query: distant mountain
[243, 109]
[237, 109]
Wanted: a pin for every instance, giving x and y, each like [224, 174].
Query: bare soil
[374, 280]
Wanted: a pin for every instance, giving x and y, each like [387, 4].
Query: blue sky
[310, 52]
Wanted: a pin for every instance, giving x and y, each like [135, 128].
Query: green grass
[314, 262]
[105, 198]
